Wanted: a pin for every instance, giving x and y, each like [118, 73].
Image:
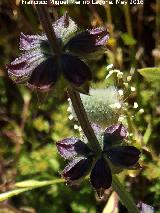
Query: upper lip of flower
[35, 66]
[84, 159]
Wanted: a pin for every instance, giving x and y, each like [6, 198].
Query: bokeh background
[31, 123]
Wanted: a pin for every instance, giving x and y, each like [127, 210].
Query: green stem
[83, 119]
[109, 18]
[124, 196]
[128, 19]
[129, 31]
[81, 114]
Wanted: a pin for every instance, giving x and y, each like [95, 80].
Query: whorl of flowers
[83, 160]
[40, 68]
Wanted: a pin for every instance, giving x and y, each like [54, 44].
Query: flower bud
[100, 106]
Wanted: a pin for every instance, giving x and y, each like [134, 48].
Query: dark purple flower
[71, 147]
[101, 177]
[114, 134]
[77, 168]
[92, 40]
[80, 155]
[119, 154]
[40, 67]
[83, 160]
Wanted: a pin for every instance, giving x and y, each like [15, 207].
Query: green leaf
[36, 183]
[7, 195]
[147, 134]
[26, 186]
[150, 73]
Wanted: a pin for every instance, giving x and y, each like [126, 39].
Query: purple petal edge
[71, 147]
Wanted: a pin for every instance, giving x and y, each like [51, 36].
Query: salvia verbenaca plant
[62, 52]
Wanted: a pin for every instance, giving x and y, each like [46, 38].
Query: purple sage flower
[40, 67]
[83, 160]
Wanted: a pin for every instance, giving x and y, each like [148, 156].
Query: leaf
[26, 186]
[6, 195]
[36, 183]
[150, 73]
[147, 134]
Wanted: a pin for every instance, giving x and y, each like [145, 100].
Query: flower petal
[114, 135]
[88, 41]
[21, 68]
[75, 70]
[101, 177]
[44, 76]
[28, 42]
[71, 147]
[77, 169]
[96, 128]
[144, 208]
[124, 156]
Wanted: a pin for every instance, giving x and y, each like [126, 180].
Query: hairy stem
[83, 120]
[124, 196]
[47, 26]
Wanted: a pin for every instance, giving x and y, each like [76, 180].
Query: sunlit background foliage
[31, 123]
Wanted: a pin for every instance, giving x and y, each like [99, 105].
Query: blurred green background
[31, 123]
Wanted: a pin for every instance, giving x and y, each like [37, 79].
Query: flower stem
[124, 196]
[128, 21]
[83, 119]
[47, 26]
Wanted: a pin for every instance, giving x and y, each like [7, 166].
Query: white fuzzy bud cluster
[103, 106]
